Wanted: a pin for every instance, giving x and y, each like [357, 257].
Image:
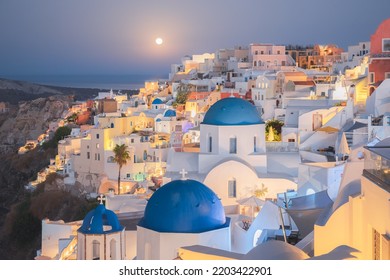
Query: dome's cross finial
[183, 173]
[101, 198]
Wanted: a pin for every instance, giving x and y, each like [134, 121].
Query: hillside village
[289, 143]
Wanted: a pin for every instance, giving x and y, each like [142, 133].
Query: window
[97, 135]
[97, 146]
[256, 52]
[262, 52]
[372, 77]
[95, 250]
[386, 44]
[145, 155]
[254, 63]
[88, 155]
[291, 140]
[254, 144]
[110, 159]
[387, 75]
[278, 52]
[232, 188]
[210, 144]
[233, 145]
[128, 175]
[112, 125]
[113, 252]
[132, 140]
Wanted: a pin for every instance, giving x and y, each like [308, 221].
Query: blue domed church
[232, 128]
[182, 213]
[101, 236]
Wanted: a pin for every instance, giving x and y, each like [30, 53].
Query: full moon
[159, 41]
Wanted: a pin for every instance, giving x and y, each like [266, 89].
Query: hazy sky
[117, 36]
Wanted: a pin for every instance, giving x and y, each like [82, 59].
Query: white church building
[181, 213]
[232, 137]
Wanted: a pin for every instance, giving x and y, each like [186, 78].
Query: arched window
[254, 144]
[113, 250]
[210, 145]
[256, 52]
[233, 145]
[259, 63]
[145, 154]
[95, 250]
[112, 125]
[254, 63]
[232, 188]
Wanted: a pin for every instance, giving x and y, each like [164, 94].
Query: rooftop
[232, 111]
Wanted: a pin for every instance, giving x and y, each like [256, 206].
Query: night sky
[118, 37]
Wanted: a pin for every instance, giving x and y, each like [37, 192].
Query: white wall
[131, 244]
[353, 223]
[164, 246]
[283, 163]
[52, 231]
[268, 218]
[316, 177]
[246, 181]
[221, 141]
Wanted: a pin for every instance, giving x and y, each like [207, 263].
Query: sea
[115, 82]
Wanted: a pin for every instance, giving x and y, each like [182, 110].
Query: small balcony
[377, 166]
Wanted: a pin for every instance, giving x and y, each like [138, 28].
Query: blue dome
[184, 206]
[157, 101]
[96, 219]
[170, 113]
[232, 111]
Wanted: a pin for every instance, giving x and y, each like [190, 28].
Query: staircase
[69, 250]
[349, 137]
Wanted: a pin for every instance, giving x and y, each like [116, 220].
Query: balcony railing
[281, 147]
[377, 167]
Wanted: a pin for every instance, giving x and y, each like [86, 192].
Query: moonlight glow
[159, 41]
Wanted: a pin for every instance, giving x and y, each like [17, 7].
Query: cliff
[31, 119]
[27, 87]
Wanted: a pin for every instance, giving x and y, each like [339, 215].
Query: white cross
[101, 198]
[183, 173]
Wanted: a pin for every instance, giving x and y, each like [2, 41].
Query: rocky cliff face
[32, 119]
[26, 87]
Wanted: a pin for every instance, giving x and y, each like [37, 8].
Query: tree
[60, 134]
[277, 128]
[261, 192]
[121, 155]
[182, 94]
